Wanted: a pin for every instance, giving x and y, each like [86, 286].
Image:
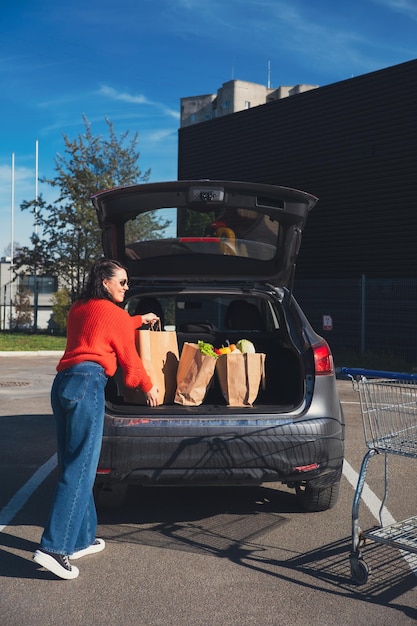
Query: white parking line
[374, 505]
[368, 497]
[22, 496]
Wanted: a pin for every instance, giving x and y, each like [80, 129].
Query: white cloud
[160, 135]
[405, 7]
[122, 96]
[330, 42]
[22, 177]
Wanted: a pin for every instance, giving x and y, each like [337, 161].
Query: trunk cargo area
[284, 380]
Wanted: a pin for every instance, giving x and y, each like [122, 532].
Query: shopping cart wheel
[359, 569]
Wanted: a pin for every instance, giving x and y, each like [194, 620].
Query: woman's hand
[152, 396]
[150, 318]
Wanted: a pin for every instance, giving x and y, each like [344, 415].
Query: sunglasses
[122, 282]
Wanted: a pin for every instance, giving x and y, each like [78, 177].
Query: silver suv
[218, 258]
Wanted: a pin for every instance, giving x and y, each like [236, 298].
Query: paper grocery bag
[194, 374]
[158, 350]
[240, 376]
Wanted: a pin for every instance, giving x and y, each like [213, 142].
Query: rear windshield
[239, 232]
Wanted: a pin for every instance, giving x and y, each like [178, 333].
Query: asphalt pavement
[194, 557]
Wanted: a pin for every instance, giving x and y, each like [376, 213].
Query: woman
[100, 334]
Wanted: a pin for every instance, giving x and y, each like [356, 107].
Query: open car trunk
[218, 231]
[195, 247]
[220, 319]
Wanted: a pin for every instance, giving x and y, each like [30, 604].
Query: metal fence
[365, 314]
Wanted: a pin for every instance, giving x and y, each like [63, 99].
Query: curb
[33, 353]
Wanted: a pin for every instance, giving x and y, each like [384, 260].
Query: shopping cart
[388, 403]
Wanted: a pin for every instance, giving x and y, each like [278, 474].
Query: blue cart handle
[354, 372]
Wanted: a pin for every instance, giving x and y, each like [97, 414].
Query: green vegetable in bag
[245, 346]
[206, 348]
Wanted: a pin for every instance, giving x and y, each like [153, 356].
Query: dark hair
[103, 269]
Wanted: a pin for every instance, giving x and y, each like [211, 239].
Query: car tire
[314, 499]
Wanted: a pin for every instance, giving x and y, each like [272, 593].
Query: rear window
[233, 231]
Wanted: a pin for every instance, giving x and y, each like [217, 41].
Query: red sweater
[100, 331]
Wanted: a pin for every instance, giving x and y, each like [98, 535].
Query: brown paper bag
[158, 350]
[240, 376]
[195, 372]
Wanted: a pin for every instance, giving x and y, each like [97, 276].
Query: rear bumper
[207, 452]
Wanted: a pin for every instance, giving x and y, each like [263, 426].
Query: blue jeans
[77, 398]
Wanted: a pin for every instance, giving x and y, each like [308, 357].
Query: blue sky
[132, 60]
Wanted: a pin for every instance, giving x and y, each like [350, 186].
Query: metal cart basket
[388, 402]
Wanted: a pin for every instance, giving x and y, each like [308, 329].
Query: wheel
[359, 569]
[315, 499]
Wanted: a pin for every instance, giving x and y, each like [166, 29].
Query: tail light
[307, 468]
[323, 360]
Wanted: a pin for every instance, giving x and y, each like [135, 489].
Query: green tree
[67, 240]
[61, 302]
[23, 309]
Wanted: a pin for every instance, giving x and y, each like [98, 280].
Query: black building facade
[353, 144]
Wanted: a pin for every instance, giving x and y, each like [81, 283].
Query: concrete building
[233, 96]
[40, 290]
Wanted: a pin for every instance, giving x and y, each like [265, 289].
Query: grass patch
[25, 342]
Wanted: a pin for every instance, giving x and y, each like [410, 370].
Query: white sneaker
[58, 564]
[97, 546]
